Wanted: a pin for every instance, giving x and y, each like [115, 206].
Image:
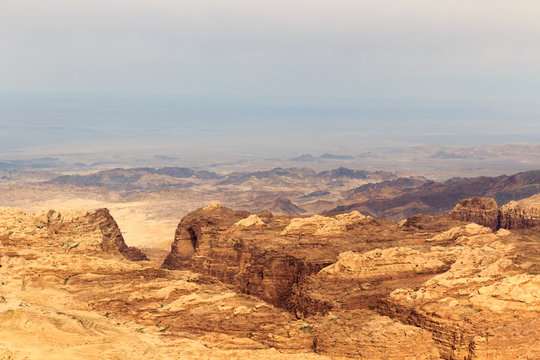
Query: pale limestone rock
[212, 206]
[322, 225]
[250, 221]
[518, 292]
[242, 310]
[474, 267]
[503, 233]
[387, 263]
[461, 231]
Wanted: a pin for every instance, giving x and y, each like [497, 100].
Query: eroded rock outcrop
[63, 296]
[480, 210]
[514, 215]
[322, 225]
[520, 214]
[271, 256]
[196, 230]
[459, 233]
[95, 231]
[366, 286]
[389, 263]
[482, 307]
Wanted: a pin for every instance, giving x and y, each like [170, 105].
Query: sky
[288, 63]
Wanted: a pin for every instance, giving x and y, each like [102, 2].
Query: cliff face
[514, 215]
[67, 292]
[196, 231]
[480, 210]
[95, 231]
[213, 241]
[273, 256]
[520, 214]
[112, 236]
[367, 286]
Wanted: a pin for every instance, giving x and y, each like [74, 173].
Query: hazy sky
[382, 48]
[288, 76]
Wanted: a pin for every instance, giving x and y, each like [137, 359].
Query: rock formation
[349, 277]
[63, 295]
[514, 215]
[322, 225]
[520, 214]
[252, 286]
[483, 211]
[196, 229]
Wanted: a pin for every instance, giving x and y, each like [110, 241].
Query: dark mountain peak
[304, 157]
[328, 156]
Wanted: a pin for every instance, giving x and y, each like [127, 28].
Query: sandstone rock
[455, 234]
[96, 231]
[480, 210]
[57, 303]
[518, 292]
[196, 228]
[463, 306]
[521, 214]
[514, 215]
[389, 263]
[250, 221]
[322, 225]
[365, 335]
[434, 224]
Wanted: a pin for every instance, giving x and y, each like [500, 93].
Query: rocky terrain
[147, 202]
[514, 215]
[303, 190]
[474, 291]
[257, 285]
[403, 197]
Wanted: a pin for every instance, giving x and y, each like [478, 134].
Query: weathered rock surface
[206, 222]
[520, 214]
[484, 306]
[387, 264]
[457, 234]
[96, 230]
[364, 284]
[65, 295]
[362, 288]
[322, 225]
[273, 260]
[483, 211]
[514, 215]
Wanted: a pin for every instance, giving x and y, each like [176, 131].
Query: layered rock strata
[461, 293]
[514, 215]
[272, 256]
[520, 214]
[63, 294]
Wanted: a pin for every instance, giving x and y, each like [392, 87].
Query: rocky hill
[299, 190]
[134, 179]
[520, 214]
[257, 285]
[466, 291]
[403, 197]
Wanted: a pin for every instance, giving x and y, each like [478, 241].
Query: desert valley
[269, 180]
[172, 262]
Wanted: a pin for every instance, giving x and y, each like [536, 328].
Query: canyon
[237, 284]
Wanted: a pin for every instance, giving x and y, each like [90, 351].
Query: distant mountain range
[135, 179]
[299, 190]
[326, 156]
[402, 197]
[150, 178]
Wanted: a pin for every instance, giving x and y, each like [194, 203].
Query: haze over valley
[305, 180]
